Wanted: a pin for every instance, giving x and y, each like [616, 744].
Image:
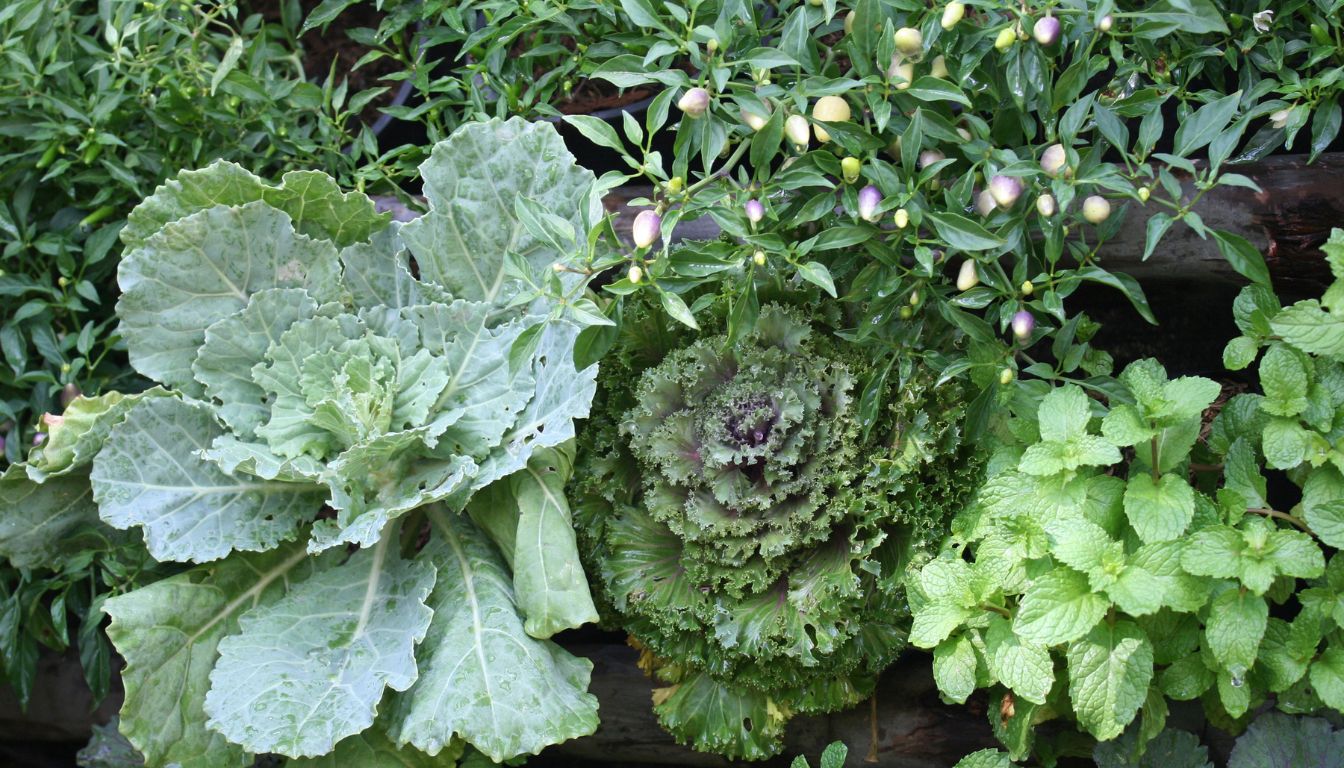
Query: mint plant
[334, 390]
[1114, 559]
[1274, 740]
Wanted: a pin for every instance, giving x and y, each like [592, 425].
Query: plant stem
[1004, 612]
[1297, 521]
[1157, 475]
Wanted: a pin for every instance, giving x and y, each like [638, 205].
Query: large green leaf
[472, 181]
[169, 633]
[562, 394]
[321, 210]
[236, 343]
[200, 269]
[311, 198]
[309, 669]
[41, 523]
[378, 274]
[481, 381]
[482, 678]
[529, 519]
[221, 183]
[730, 720]
[378, 481]
[290, 430]
[373, 749]
[547, 574]
[150, 475]
[76, 436]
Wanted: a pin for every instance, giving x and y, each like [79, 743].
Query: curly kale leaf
[746, 533]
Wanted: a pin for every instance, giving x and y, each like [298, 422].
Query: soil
[589, 96]
[324, 44]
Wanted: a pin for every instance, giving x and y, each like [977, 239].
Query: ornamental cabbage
[749, 531]
[336, 389]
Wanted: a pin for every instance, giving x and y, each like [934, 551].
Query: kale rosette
[746, 526]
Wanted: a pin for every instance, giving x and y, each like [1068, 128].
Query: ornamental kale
[747, 532]
[333, 381]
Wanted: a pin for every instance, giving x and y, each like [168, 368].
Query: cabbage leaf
[335, 390]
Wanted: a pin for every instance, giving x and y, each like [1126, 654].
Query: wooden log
[914, 729]
[1288, 221]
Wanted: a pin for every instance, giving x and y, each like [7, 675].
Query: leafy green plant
[1274, 740]
[833, 756]
[748, 529]
[102, 101]
[1093, 584]
[330, 381]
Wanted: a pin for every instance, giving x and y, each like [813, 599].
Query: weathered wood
[915, 730]
[1287, 222]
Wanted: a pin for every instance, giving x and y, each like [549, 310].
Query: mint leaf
[1159, 511]
[1064, 414]
[1283, 376]
[1058, 607]
[1022, 666]
[1125, 426]
[954, 665]
[1327, 677]
[1109, 673]
[985, 758]
[1185, 398]
[1175, 587]
[1242, 474]
[1293, 553]
[1137, 592]
[1084, 546]
[1284, 443]
[947, 579]
[935, 621]
[1327, 522]
[1214, 551]
[1311, 329]
[1240, 353]
[1186, 679]
[1235, 627]
[1239, 418]
[1286, 651]
[1254, 555]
